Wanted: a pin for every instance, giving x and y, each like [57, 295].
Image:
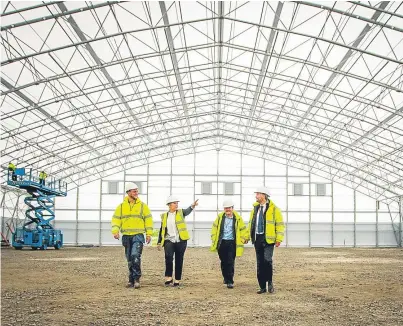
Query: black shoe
[230, 286]
[271, 288]
[168, 283]
[260, 291]
[176, 284]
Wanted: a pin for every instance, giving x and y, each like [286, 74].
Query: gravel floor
[85, 286]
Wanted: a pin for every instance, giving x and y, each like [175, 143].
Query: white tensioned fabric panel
[91, 89]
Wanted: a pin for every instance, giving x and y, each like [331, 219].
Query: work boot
[137, 284]
[260, 291]
[271, 288]
[230, 286]
[129, 284]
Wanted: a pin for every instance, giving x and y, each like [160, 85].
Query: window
[298, 189]
[320, 189]
[113, 187]
[228, 188]
[206, 188]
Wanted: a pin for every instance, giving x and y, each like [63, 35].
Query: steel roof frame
[201, 108]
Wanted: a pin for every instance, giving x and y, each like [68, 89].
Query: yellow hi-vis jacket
[11, 167]
[273, 224]
[132, 218]
[241, 232]
[42, 175]
[180, 225]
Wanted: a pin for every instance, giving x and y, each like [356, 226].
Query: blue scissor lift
[38, 232]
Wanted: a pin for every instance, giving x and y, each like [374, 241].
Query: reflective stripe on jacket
[241, 233]
[273, 226]
[180, 226]
[132, 218]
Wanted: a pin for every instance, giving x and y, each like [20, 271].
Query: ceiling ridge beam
[218, 84]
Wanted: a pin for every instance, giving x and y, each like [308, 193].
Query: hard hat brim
[259, 192]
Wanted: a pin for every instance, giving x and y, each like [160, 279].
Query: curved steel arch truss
[91, 89]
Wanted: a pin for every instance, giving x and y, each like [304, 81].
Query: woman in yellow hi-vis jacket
[133, 218]
[173, 237]
[266, 229]
[228, 236]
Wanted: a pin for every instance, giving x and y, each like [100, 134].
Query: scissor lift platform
[37, 231]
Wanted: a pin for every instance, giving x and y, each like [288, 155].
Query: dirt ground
[85, 286]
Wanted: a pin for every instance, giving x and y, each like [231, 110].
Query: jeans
[264, 260]
[133, 249]
[227, 253]
[178, 249]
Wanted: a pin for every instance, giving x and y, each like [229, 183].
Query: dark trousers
[42, 181]
[227, 253]
[133, 249]
[264, 260]
[13, 175]
[178, 249]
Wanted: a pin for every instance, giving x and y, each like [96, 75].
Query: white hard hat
[227, 203]
[262, 190]
[172, 199]
[130, 186]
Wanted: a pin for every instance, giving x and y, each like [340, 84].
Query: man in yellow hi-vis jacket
[42, 177]
[266, 229]
[228, 235]
[133, 218]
